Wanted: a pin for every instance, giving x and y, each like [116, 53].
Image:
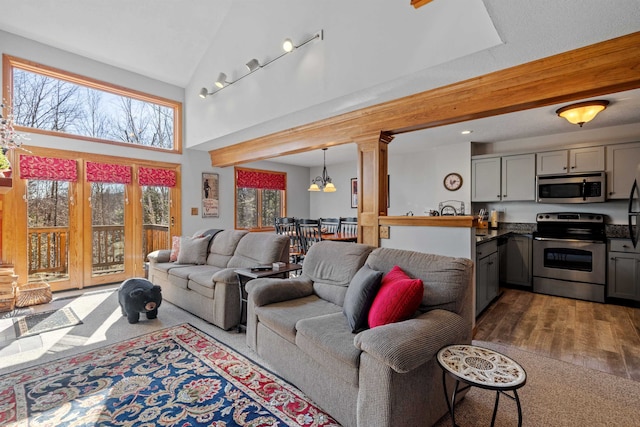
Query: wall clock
[452, 181]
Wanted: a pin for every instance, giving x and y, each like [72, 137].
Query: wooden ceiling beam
[419, 3]
[603, 68]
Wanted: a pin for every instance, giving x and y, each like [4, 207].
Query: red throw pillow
[398, 298]
[175, 248]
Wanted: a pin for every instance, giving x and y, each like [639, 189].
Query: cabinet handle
[625, 246]
[498, 196]
[611, 193]
[613, 259]
[504, 195]
[573, 167]
[564, 168]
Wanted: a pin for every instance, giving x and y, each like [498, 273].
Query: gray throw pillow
[360, 295]
[193, 250]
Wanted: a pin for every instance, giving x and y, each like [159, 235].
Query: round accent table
[480, 367]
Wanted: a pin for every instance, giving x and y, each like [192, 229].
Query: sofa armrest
[271, 290]
[162, 255]
[404, 346]
[226, 275]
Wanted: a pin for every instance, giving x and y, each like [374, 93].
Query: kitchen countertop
[484, 235]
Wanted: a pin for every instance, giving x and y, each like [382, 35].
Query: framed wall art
[210, 196]
[354, 192]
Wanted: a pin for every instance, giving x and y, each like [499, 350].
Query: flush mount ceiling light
[323, 182]
[582, 112]
[254, 65]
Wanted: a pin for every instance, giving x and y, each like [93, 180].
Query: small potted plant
[5, 166]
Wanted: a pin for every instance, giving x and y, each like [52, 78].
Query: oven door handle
[550, 239]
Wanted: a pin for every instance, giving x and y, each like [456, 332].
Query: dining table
[340, 237]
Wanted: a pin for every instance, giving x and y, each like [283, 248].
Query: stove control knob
[546, 216]
[598, 217]
[590, 216]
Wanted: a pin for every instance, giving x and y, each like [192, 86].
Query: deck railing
[48, 246]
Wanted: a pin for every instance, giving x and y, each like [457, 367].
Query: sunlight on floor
[32, 347]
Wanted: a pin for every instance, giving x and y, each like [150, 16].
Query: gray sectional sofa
[208, 285]
[384, 376]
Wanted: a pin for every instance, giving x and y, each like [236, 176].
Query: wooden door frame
[14, 237]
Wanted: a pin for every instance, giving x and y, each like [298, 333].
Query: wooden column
[372, 184]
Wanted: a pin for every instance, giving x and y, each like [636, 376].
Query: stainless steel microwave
[587, 187]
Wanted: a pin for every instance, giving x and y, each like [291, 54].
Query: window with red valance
[48, 168]
[157, 177]
[251, 178]
[104, 172]
[260, 198]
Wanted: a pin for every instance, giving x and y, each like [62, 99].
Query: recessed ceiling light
[466, 132]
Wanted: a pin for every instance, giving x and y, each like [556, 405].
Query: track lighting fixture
[254, 65]
[221, 81]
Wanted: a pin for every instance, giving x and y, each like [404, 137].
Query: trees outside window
[46, 100]
[257, 202]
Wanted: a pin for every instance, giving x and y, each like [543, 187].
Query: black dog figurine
[139, 296]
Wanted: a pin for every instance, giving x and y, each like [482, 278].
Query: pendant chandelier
[323, 183]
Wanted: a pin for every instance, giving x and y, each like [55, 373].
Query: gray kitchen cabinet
[586, 159]
[503, 178]
[624, 270]
[518, 260]
[487, 274]
[622, 160]
[485, 179]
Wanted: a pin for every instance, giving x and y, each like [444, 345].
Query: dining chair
[308, 232]
[349, 226]
[330, 225]
[287, 227]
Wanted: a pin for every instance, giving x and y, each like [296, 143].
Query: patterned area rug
[177, 376]
[37, 323]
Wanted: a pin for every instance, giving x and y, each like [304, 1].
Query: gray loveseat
[208, 288]
[384, 376]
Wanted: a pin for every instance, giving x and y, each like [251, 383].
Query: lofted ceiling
[167, 39]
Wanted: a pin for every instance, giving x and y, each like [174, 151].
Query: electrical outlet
[384, 231]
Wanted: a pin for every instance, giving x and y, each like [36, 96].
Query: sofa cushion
[331, 265]
[181, 276]
[223, 247]
[260, 248]
[282, 317]
[193, 250]
[398, 298]
[359, 297]
[329, 341]
[446, 279]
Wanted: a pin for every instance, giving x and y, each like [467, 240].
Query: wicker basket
[33, 294]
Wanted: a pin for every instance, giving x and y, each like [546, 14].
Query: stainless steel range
[569, 255]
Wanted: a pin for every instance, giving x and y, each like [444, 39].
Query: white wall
[196, 162]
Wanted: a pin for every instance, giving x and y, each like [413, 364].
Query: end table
[246, 274]
[484, 368]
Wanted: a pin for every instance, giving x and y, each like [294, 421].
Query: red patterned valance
[159, 177]
[48, 168]
[261, 179]
[103, 172]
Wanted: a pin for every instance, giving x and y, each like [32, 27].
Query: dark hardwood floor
[605, 337]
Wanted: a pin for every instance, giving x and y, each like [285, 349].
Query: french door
[91, 230]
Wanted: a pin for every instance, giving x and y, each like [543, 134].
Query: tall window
[47, 100]
[260, 196]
